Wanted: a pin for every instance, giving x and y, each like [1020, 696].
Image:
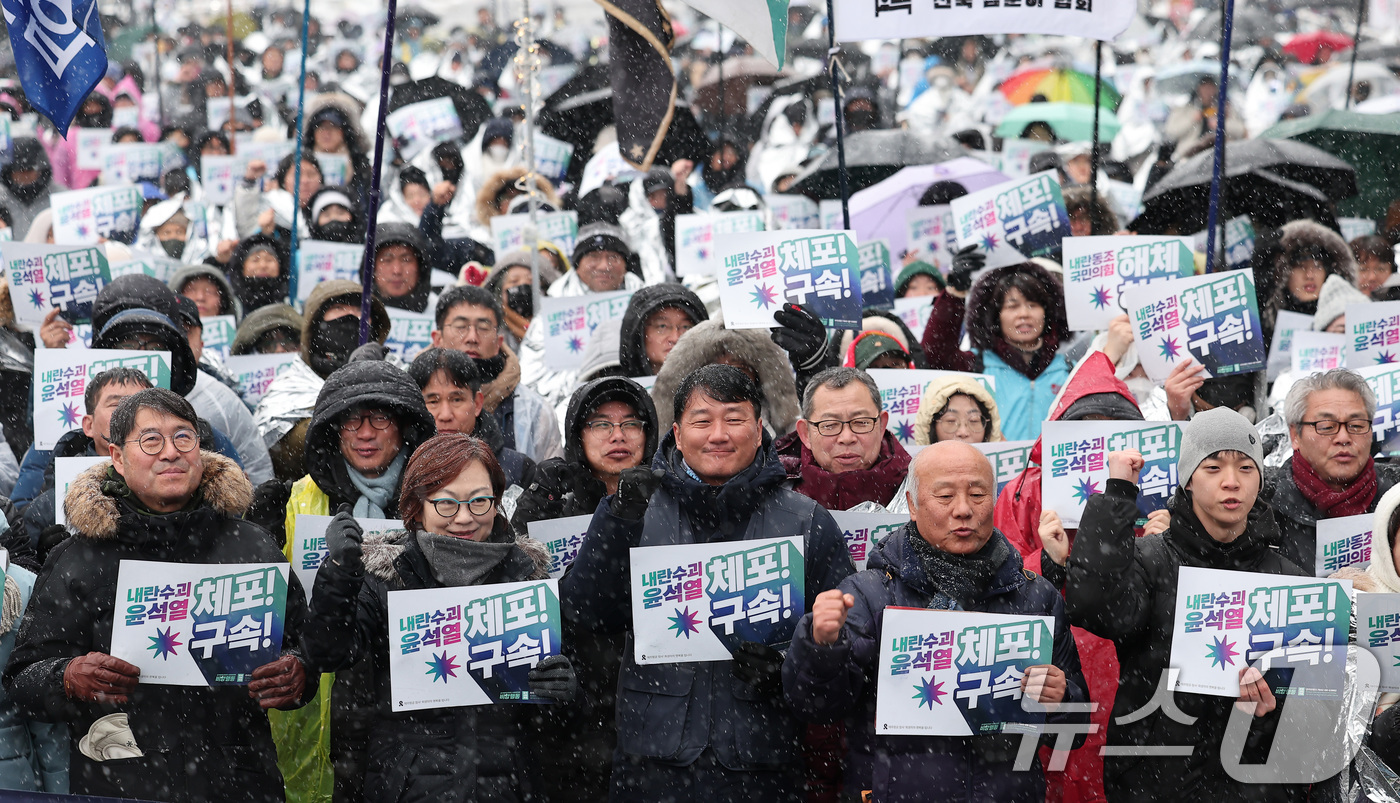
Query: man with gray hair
[841, 454]
[1331, 473]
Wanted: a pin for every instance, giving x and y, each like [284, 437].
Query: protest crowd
[620, 403]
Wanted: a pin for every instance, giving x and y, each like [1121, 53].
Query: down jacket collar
[98, 516]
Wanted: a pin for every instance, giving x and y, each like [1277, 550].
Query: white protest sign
[419, 126]
[698, 602]
[1353, 227]
[409, 332]
[794, 212]
[81, 217]
[321, 261]
[335, 168]
[760, 271]
[88, 147]
[508, 232]
[1378, 630]
[309, 543]
[218, 175]
[552, 157]
[1212, 319]
[1315, 352]
[1008, 459]
[902, 392]
[957, 673]
[914, 311]
[1373, 333]
[218, 334]
[1074, 462]
[255, 372]
[1015, 156]
[46, 276]
[1342, 542]
[863, 531]
[699, 236]
[562, 537]
[931, 235]
[132, 161]
[65, 470]
[1227, 620]
[1285, 324]
[830, 213]
[1098, 269]
[1013, 221]
[60, 381]
[857, 20]
[569, 324]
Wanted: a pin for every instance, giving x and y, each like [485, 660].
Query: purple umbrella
[877, 212]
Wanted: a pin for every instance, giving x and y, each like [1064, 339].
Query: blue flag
[59, 52]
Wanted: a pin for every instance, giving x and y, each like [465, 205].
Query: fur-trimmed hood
[382, 549]
[1382, 567]
[485, 206]
[96, 515]
[327, 105]
[708, 341]
[1298, 240]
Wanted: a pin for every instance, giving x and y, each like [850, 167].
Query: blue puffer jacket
[824, 683]
[1023, 402]
[33, 754]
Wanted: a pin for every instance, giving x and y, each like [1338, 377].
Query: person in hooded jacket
[515, 269]
[496, 193]
[713, 731]
[1124, 588]
[26, 182]
[360, 467]
[332, 128]
[274, 329]
[208, 288]
[654, 322]
[402, 276]
[1015, 317]
[948, 557]
[334, 216]
[1306, 254]
[462, 754]
[957, 408]
[330, 332]
[166, 228]
[259, 272]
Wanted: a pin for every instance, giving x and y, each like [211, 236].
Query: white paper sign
[1285, 324]
[218, 174]
[1212, 319]
[419, 126]
[89, 147]
[699, 237]
[1097, 270]
[794, 212]
[1074, 462]
[309, 543]
[132, 161]
[81, 217]
[255, 372]
[931, 235]
[1343, 542]
[569, 324]
[335, 168]
[898, 19]
[761, 271]
[1378, 630]
[65, 470]
[902, 391]
[1373, 333]
[562, 537]
[46, 276]
[1013, 221]
[914, 311]
[552, 157]
[218, 333]
[508, 232]
[863, 531]
[410, 333]
[829, 209]
[1315, 352]
[320, 261]
[60, 381]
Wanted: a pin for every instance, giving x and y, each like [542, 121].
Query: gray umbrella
[872, 157]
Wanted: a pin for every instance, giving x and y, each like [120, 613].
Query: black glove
[801, 335]
[759, 666]
[50, 537]
[554, 679]
[966, 261]
[634, 490]
[344, 540]
[269, 508]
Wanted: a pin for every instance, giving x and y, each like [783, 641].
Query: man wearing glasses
[159, 499]
[1331, 473]
[841, 455]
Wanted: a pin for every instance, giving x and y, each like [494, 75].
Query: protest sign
[1285, 324]
[480, 642]
[255, 372]
[88, 147]
[46, 276]
[829, 209]
[65, 470]
[562, 537]
[419, 126]
[132, 162]
[794, 212]
[1125, 198]
[309, 543]
[1373, 333]
[335, 168]
[1008, 459]
[218, 334]
[1227, 620]
[125, 117]
[1099, 269]
[1315, 352]
[196, 624]
[914, 311]
[409, 332]
[699, 237]
[1378, 630]
[1353, 227]
[1213, 319]
[902, 391]
[320, 261]
[61, 377]
[864, 530]
[218, 175]
[1013, 221]
[957, 673]
[876, 281]
[1074, 462]
[508, 232]
[1341, 542]
[1238, 235]
[80, 217]
[697, 602]
[1385, 383]
[1015, 156]
[569, 324]
[552, 157]
[760, 271]
[932, 237]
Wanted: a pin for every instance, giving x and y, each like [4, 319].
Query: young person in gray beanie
[1124, 589]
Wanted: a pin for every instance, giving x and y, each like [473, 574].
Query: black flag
[643, 83]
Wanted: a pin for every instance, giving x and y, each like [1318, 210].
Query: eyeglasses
[482, 326]
[380, 421]
[1356, 426]
[973, 421]
[665, 329]
[604, 429]
[859, 426]
[153, 443]
[478, 505]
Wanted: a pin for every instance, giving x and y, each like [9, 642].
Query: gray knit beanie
[1217, 430]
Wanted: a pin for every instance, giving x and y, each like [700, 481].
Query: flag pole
[527, 65]
[723, 106]
[1098, 97]
[232, 81]
[301, 109]
[831, 67]
[160, 96]
[386, 61]
[1355, 46]
[1222, 97]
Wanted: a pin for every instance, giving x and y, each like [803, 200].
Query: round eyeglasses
[478, 505]
[153, 443]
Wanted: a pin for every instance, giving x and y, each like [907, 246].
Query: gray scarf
[461, 561]
[964, 578]
[377, 493]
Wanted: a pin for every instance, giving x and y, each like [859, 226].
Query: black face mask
[26, 193]
[332, 342]
[451, 171]
[173, 247]
[860, 120]
[340, 231]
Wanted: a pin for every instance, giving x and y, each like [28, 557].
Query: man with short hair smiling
[1331, 473]
[948, 557]
[841, 454]
[469, 319]
[715, 731]
[160, 499]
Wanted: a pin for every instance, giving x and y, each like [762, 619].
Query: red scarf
[1353, 500]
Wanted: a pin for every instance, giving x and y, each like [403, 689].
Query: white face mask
[499, 152]
[1141, 387]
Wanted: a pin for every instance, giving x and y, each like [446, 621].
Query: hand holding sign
[1182, 383]
[279, 684]
[1045, 684]
[1255, 696]
[99, 678]
[829, 612]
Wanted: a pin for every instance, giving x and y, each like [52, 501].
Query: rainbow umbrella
[1058, 86]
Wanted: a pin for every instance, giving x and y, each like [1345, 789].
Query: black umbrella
[497, 60]
[1287, 158]
[415, 16]
[1249, 26]
[1268, 198]
[472, 109]
[578, 120]
[872, 157]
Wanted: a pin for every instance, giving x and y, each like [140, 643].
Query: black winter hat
[600, 237]
[133, 291]
[183, 368]
[1109, 405]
